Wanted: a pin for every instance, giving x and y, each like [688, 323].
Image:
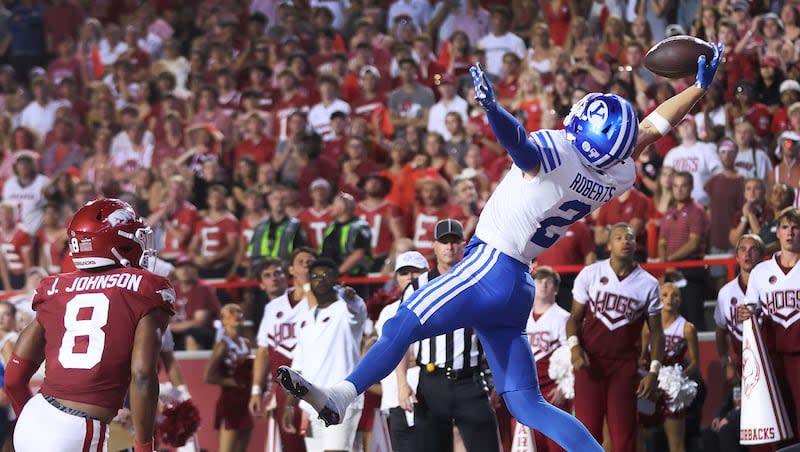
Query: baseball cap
[793, 108]
[448, 227]
[770, 61]
[411, 259]
[789, 85]
[25, 154]
[320, 183]
[367, 68]
[741, 5]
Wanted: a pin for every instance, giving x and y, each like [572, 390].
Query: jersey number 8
[91, 329]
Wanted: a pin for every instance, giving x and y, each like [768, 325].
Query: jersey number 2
[90, 329]
[544, 238]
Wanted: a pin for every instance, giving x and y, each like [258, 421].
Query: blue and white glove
[706, 71]
[484, 94]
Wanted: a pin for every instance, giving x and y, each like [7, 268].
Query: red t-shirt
[53, 251]
[284, 108]
[637, 205]
[262, 150]
[89, 322]
[185, 217]
[214, 234]
[315, 222]
[13, 246]
[200, 297]
[378, 219]
[423, 223]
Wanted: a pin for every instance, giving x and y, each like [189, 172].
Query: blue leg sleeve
[513, 137]
[514, 371]
[382, 358]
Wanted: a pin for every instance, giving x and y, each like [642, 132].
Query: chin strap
[124, 262]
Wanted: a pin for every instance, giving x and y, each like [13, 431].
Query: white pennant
[763, 417]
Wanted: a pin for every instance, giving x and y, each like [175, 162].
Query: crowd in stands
[244, 130]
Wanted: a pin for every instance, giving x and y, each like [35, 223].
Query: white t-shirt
[748, 167]
[319, 117]
[27, 201]
[41, 117]
[497, 46]
[701, 160]
[548, 332]
[523, 217]
[438, 112]
[389, 384]
[329, 344]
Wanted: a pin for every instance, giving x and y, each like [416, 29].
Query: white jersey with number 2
[524, 216]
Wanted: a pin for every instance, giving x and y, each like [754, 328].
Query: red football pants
[607, 389]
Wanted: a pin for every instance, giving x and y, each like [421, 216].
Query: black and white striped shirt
[457, 350]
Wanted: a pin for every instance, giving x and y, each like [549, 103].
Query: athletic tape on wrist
[661, 124]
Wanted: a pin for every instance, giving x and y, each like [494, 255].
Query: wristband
[139, 447]
[255, 390]
[655, 366]
[659, 122]
[573, 342]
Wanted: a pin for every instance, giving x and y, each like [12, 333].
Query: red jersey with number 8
[89, 321]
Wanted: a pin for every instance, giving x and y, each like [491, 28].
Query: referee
[452, 389]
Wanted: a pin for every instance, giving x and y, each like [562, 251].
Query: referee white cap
[411, 259]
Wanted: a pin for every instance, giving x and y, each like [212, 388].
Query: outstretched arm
[671, 112]
[510, 133]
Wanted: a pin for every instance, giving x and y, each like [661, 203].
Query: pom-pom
[679, 390]
[177, 423]
[561, 372]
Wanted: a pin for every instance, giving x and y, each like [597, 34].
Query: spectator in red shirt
[65, 154]
[214, 242]
[433, 204]
[631, 207]
[255, 144]
[313, 165]
[16, 246]
[725, 194]
[427, 67]
[317, 216]
[68, 64]
[62, 20]
[138, 57]
[790, 93]
[745, 106]
[467, 205]
[684, 230]
[507, 87]
[196, 306]
[383, 217]
[177, 217]
[356, 166]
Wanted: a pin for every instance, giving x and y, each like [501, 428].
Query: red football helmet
[107, 232]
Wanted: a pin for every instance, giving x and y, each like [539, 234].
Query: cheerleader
[230, 366]
[680, 347]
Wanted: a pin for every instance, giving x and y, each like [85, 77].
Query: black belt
[449, 373]
[57, 405]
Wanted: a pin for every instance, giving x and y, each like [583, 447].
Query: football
[676, 57]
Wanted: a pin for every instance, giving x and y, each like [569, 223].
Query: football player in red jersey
[88, 372]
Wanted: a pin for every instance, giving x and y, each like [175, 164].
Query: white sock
[342, 394]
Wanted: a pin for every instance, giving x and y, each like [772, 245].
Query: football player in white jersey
[558, 177]
[749, 253]
[775, 286]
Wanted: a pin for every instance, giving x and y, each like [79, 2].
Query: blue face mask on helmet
[603, 128]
